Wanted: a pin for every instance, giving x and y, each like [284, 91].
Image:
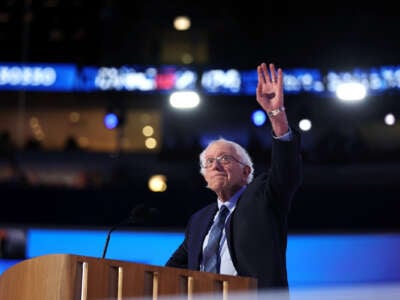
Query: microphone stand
[108, 240]
[127, 221]
[138, 214]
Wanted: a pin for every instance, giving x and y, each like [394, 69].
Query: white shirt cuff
[286, 137]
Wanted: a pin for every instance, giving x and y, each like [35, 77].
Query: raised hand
[269, 94]
[270, 87]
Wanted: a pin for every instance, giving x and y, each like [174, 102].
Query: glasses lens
[209, 161]
[225, 159]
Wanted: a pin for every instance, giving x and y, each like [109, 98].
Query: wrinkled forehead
[218, 148]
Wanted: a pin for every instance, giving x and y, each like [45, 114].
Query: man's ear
[246, 171]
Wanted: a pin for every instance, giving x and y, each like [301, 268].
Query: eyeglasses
[224, 159]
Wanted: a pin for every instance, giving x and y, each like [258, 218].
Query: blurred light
[182, 23]
[36, 128]
[305, 125]
[298, 80]
[184, 99]
[187, 58]
[111, 120]
[124, 78]
[351, 91]
[83, 141]
[150, 143]
[165, 81]
[74, 117]
[39, 135]
[34, 122]
[185, 80]
[18, 76]
[390, 119]
[217, 81]
[259, 117]
[157, 183]
[147, 130]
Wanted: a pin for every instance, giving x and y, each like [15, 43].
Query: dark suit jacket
[257, 228]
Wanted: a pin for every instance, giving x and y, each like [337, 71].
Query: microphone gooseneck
[138, 214]
[108, 240]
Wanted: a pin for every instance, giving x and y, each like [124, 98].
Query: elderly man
[244, 232]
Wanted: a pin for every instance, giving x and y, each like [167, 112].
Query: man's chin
[216, 188]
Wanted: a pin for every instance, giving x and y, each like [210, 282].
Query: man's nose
[216, 164]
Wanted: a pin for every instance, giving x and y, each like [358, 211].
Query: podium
[73, 277]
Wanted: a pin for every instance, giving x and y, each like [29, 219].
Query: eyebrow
[211, 156]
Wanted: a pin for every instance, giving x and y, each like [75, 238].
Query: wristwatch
[276, 112]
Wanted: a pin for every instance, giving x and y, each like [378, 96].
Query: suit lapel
[228, 231]
[204, 225]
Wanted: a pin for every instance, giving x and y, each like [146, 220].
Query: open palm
[270, 87]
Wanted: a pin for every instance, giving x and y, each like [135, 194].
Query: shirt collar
[231, 203]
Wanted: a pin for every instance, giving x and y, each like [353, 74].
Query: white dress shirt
[226, 266]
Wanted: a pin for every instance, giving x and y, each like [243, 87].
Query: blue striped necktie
[211, 259]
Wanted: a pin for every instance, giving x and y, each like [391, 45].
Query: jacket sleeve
[286, 170]
[188, 254]
[179, 259]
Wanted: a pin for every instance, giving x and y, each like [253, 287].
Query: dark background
[349, 185]
[337, 34]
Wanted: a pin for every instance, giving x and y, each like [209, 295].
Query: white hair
[244, 156]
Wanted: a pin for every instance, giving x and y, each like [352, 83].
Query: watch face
[277, 111]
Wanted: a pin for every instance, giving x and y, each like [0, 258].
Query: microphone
[139, 214]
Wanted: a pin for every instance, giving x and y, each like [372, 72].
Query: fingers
[280, 78]
[271, 76]
[260, 72]
[273, 73]
[265, 72]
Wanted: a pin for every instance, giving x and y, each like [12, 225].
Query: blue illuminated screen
[312, 260]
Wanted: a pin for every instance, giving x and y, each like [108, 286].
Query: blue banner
[149, 79]
[38, 77]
